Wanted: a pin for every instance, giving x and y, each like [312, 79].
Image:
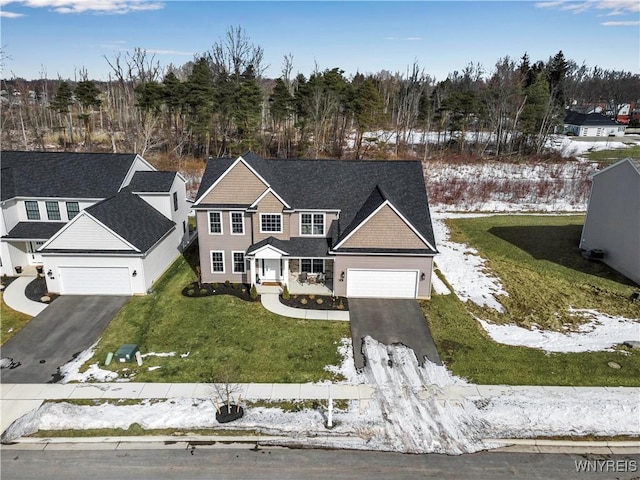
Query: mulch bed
[240, 290]
[38, 289]
[316, 302]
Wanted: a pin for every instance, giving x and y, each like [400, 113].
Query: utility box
[126, 353]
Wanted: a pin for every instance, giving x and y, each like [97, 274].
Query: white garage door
[95, 280]
[382, 283]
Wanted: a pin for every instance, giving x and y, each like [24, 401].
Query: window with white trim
[312, 224]
[73, 209]
[312, 265]
[215, 223]
[237, 223]
[239, 265]
[270, 223]
[53, 210]
[33, 212]
[217, 261]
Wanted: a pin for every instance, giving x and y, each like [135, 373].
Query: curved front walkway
[271, 301]
[15, 298]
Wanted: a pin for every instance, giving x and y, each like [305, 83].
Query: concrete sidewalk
[271, 301]
[15, 298]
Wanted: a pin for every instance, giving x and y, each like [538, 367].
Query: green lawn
[11, 322]
[612, 156]
[537, 260]
[227, 339]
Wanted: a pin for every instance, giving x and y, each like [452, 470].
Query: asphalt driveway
[391, 321]
[65, 328]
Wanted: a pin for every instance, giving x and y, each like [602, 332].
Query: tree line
[221, 104]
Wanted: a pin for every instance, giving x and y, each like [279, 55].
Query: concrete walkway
[15, 298]
[271, 301]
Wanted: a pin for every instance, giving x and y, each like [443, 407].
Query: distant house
[97, 223]
[612, 225]
[591, 125]
[349, 228]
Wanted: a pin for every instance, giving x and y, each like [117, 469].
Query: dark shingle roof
[295, 246]
[587, 119]
[351, 186]
[34, 230]
[151, 182]
[63, 174]
[133, 219]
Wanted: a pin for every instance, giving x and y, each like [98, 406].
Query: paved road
[68, 326]
[264, 464]
[391, 321]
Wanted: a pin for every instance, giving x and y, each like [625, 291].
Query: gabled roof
[634, 162]
[151, 182]
[63, 174]
[133, 219]
[354, 187]
[587, 119]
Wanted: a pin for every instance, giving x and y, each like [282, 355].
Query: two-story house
[359, 228]
[96, 223]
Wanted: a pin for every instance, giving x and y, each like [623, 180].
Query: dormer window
[312, 224]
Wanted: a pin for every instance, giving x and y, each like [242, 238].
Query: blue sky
[62, 36]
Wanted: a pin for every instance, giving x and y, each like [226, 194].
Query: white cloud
[91, 6]
[5, 14]
[615, 7]
[620, 24]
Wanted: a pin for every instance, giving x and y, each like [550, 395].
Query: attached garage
[363, 283]
[95, 281]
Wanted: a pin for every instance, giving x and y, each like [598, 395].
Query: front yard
[537, 260]
[217, 338]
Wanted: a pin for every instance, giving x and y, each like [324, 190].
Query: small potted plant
[18, 269]
[40, 269]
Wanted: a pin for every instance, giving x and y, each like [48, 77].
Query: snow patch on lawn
[464, 269]
[600, 334]
[70, 371]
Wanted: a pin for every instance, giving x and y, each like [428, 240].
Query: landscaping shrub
[254, 292]
[285, 293]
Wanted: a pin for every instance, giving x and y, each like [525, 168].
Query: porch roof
[34, 231]
[295, 247]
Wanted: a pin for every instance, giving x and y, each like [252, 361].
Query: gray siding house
[613, 217]
[349, 228]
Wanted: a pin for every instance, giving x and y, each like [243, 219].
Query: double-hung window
[312, 224]
[270, 223]
[312, 265]
[53, 210]
[33, 212]
[215, 223]
[238, 262]
[237, 223]
[217, 261]
[73, 209]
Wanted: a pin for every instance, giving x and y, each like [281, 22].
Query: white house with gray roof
[612, 225]
[97, 223]
[355, 228]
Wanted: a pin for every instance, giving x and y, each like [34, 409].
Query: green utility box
[126, 352]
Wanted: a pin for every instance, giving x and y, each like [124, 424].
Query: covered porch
[273, 265]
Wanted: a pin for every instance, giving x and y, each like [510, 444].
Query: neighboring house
[591, 125]
[612, 225]
[98, 223]
[358, 228]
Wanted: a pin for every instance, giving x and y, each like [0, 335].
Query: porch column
[285, 273]
[252, 268]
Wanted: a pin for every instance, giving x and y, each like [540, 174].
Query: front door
[271, 270]
[34, 257]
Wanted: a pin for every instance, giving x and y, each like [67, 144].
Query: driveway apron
[391, 321]
[65, 328]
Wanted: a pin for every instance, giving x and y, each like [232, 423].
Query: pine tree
[60, 104]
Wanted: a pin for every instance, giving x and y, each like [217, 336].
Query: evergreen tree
[88, 95]
[199, 101]
[60, 104]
